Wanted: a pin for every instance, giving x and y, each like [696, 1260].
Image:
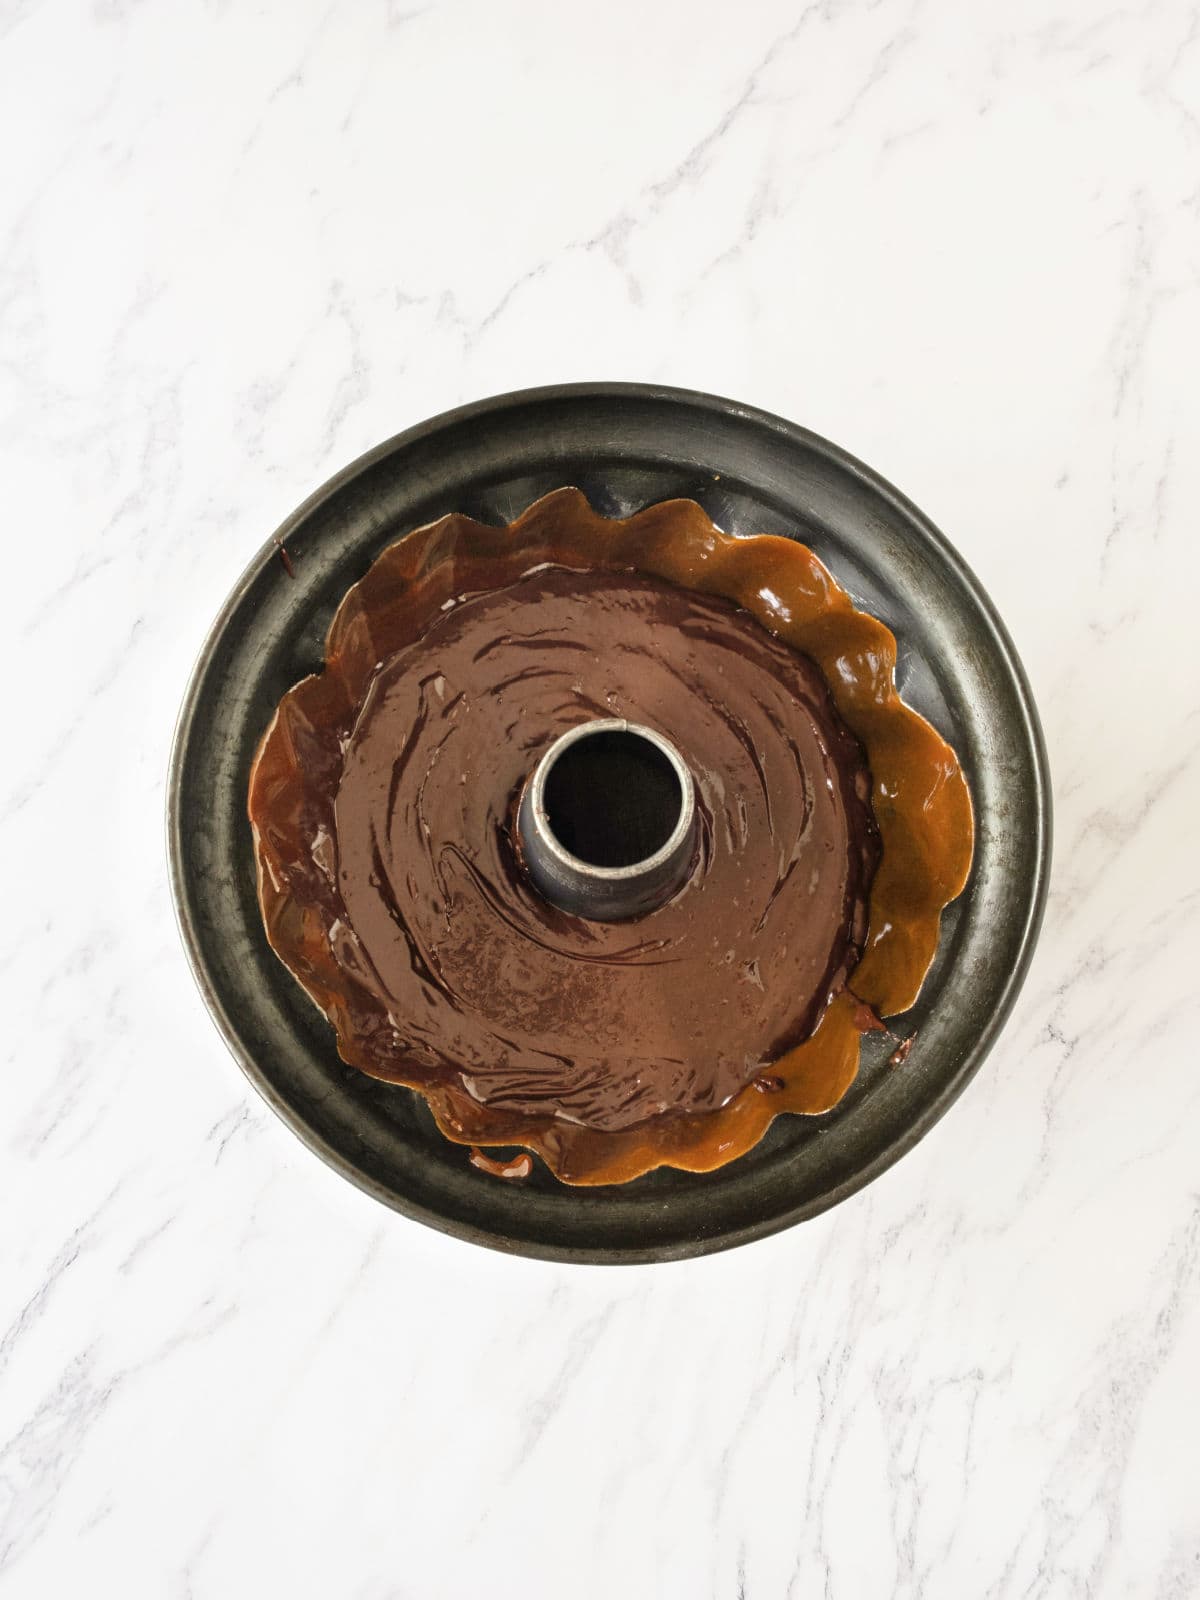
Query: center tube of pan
[607, 820]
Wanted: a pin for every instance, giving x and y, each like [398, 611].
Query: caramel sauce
[381, 799]
[519, 1167]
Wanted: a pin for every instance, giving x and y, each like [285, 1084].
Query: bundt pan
[625, 446]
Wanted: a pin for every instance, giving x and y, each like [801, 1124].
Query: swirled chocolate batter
[606, 1024]
[384, 799]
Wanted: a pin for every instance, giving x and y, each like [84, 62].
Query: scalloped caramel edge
[920, 799]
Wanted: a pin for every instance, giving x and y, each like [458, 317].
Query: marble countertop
[239, 245]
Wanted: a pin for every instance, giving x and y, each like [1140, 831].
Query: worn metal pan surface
[626, 446]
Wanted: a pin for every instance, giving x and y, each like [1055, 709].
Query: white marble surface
[238, 245]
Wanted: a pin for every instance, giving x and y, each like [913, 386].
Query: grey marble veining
[238, 246]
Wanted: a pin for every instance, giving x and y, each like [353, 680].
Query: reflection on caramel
[381, 799]
[520, 1167]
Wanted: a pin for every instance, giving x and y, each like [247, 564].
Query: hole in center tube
[612, 799]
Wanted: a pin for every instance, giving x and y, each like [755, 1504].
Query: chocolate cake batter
[605, 1024]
